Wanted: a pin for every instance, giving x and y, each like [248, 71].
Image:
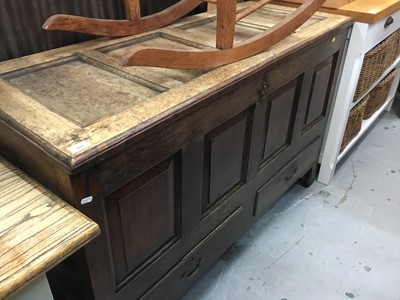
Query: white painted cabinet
[363, 38]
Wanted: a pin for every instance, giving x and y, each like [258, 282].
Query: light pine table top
[368, 11]
[37, 229]
[365, 11]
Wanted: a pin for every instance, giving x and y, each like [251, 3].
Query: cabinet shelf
[366, 124]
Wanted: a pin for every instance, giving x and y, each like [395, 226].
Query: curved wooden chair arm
[133, 25]
[183, 59]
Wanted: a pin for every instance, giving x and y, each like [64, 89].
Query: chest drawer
[278, 184]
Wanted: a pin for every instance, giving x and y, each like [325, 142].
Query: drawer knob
[293, 173]
[388, 22]
[194, 271]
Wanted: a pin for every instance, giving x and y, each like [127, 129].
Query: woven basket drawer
[354, 121]
[376, 61]
[378, 96]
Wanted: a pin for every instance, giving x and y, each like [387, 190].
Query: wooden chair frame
[134, 23]
[225, 51]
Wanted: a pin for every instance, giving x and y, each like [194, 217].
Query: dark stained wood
[321, 85]
[309, 178]
[192, 184]
[150, 167]
[275, 187]
[275, 79]
[200, 258]
[224, 159]
[121, 169]
[280, 118]
[143, 213]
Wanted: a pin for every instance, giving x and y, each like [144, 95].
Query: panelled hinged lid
[77, 102]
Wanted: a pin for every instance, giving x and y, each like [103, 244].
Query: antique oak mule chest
[174, 165]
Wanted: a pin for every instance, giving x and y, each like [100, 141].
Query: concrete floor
[326, 242]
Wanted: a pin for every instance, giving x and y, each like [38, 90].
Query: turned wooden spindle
[191, 59]
[132, 10]
[226, 11]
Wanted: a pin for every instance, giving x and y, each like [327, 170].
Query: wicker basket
[379, 95]
[393, 50]
[397, 45]
[354, 122]
[376, 61]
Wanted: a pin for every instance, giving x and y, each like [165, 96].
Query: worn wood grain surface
[60, 126]
[37, 229]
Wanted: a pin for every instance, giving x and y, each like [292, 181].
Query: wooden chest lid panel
[74, 98]
[81, 92]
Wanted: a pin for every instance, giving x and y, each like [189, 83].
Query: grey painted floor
[340, 241]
